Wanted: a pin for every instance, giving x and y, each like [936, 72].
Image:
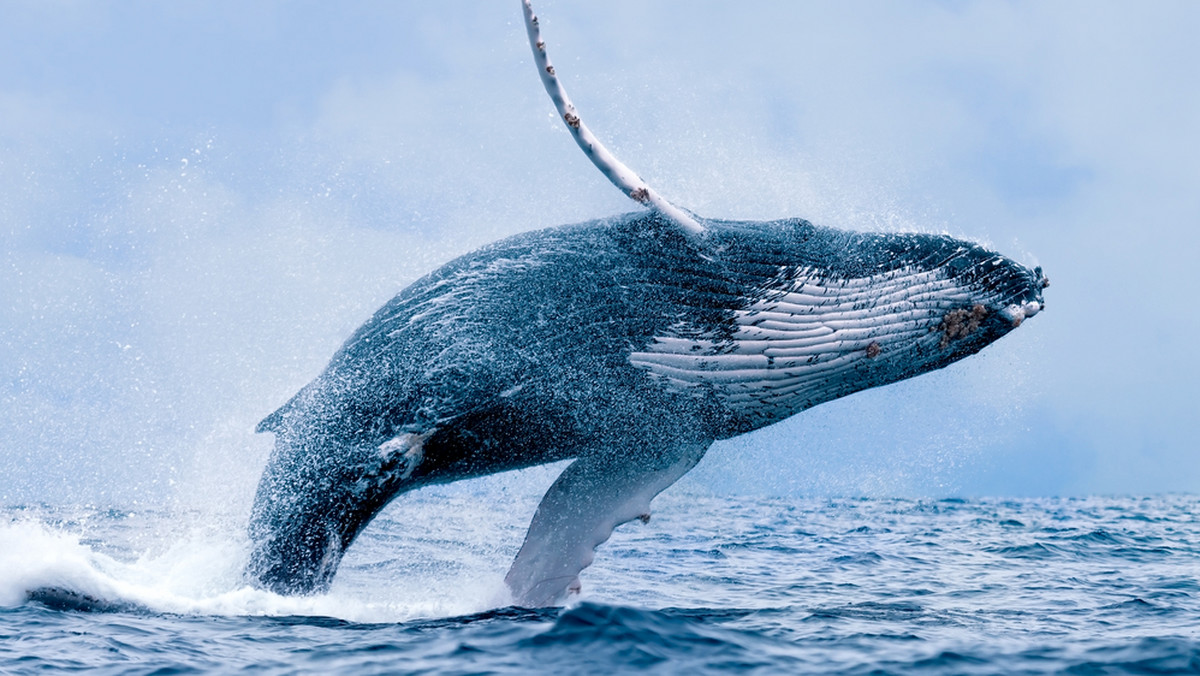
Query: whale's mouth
[1005, 295]
[967, 321]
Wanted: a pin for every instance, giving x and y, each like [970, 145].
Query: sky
[199, 201]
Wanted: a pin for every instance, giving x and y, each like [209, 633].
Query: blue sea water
[712, 584]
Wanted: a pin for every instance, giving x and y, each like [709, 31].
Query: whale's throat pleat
[810, 339]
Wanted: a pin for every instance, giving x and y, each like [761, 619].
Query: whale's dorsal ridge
[272, 422]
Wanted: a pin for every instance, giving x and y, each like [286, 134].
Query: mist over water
[199, 203]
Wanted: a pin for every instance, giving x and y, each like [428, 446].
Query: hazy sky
[200, 200]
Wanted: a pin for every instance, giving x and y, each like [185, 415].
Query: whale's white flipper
[588, 500]
[613, 169]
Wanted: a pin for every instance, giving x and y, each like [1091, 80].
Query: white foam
[200, 574]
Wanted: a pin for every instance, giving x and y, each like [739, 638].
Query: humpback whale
[629, 344]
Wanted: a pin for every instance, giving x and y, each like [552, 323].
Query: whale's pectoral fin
[579, 512]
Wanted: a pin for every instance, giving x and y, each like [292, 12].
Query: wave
[200, 574]
[797, 587]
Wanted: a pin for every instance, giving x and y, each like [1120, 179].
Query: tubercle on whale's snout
[1043, 282]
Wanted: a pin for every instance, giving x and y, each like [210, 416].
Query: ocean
[712, 584]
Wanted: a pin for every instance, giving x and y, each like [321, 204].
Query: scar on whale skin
[627, 345]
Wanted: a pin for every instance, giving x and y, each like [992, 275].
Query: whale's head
[836, 312]
[930, 299]
[1004, 294]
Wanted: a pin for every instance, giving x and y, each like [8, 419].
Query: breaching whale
[630, 344]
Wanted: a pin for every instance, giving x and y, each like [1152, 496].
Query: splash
[81, 564]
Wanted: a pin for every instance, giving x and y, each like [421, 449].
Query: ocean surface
[713, 584]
